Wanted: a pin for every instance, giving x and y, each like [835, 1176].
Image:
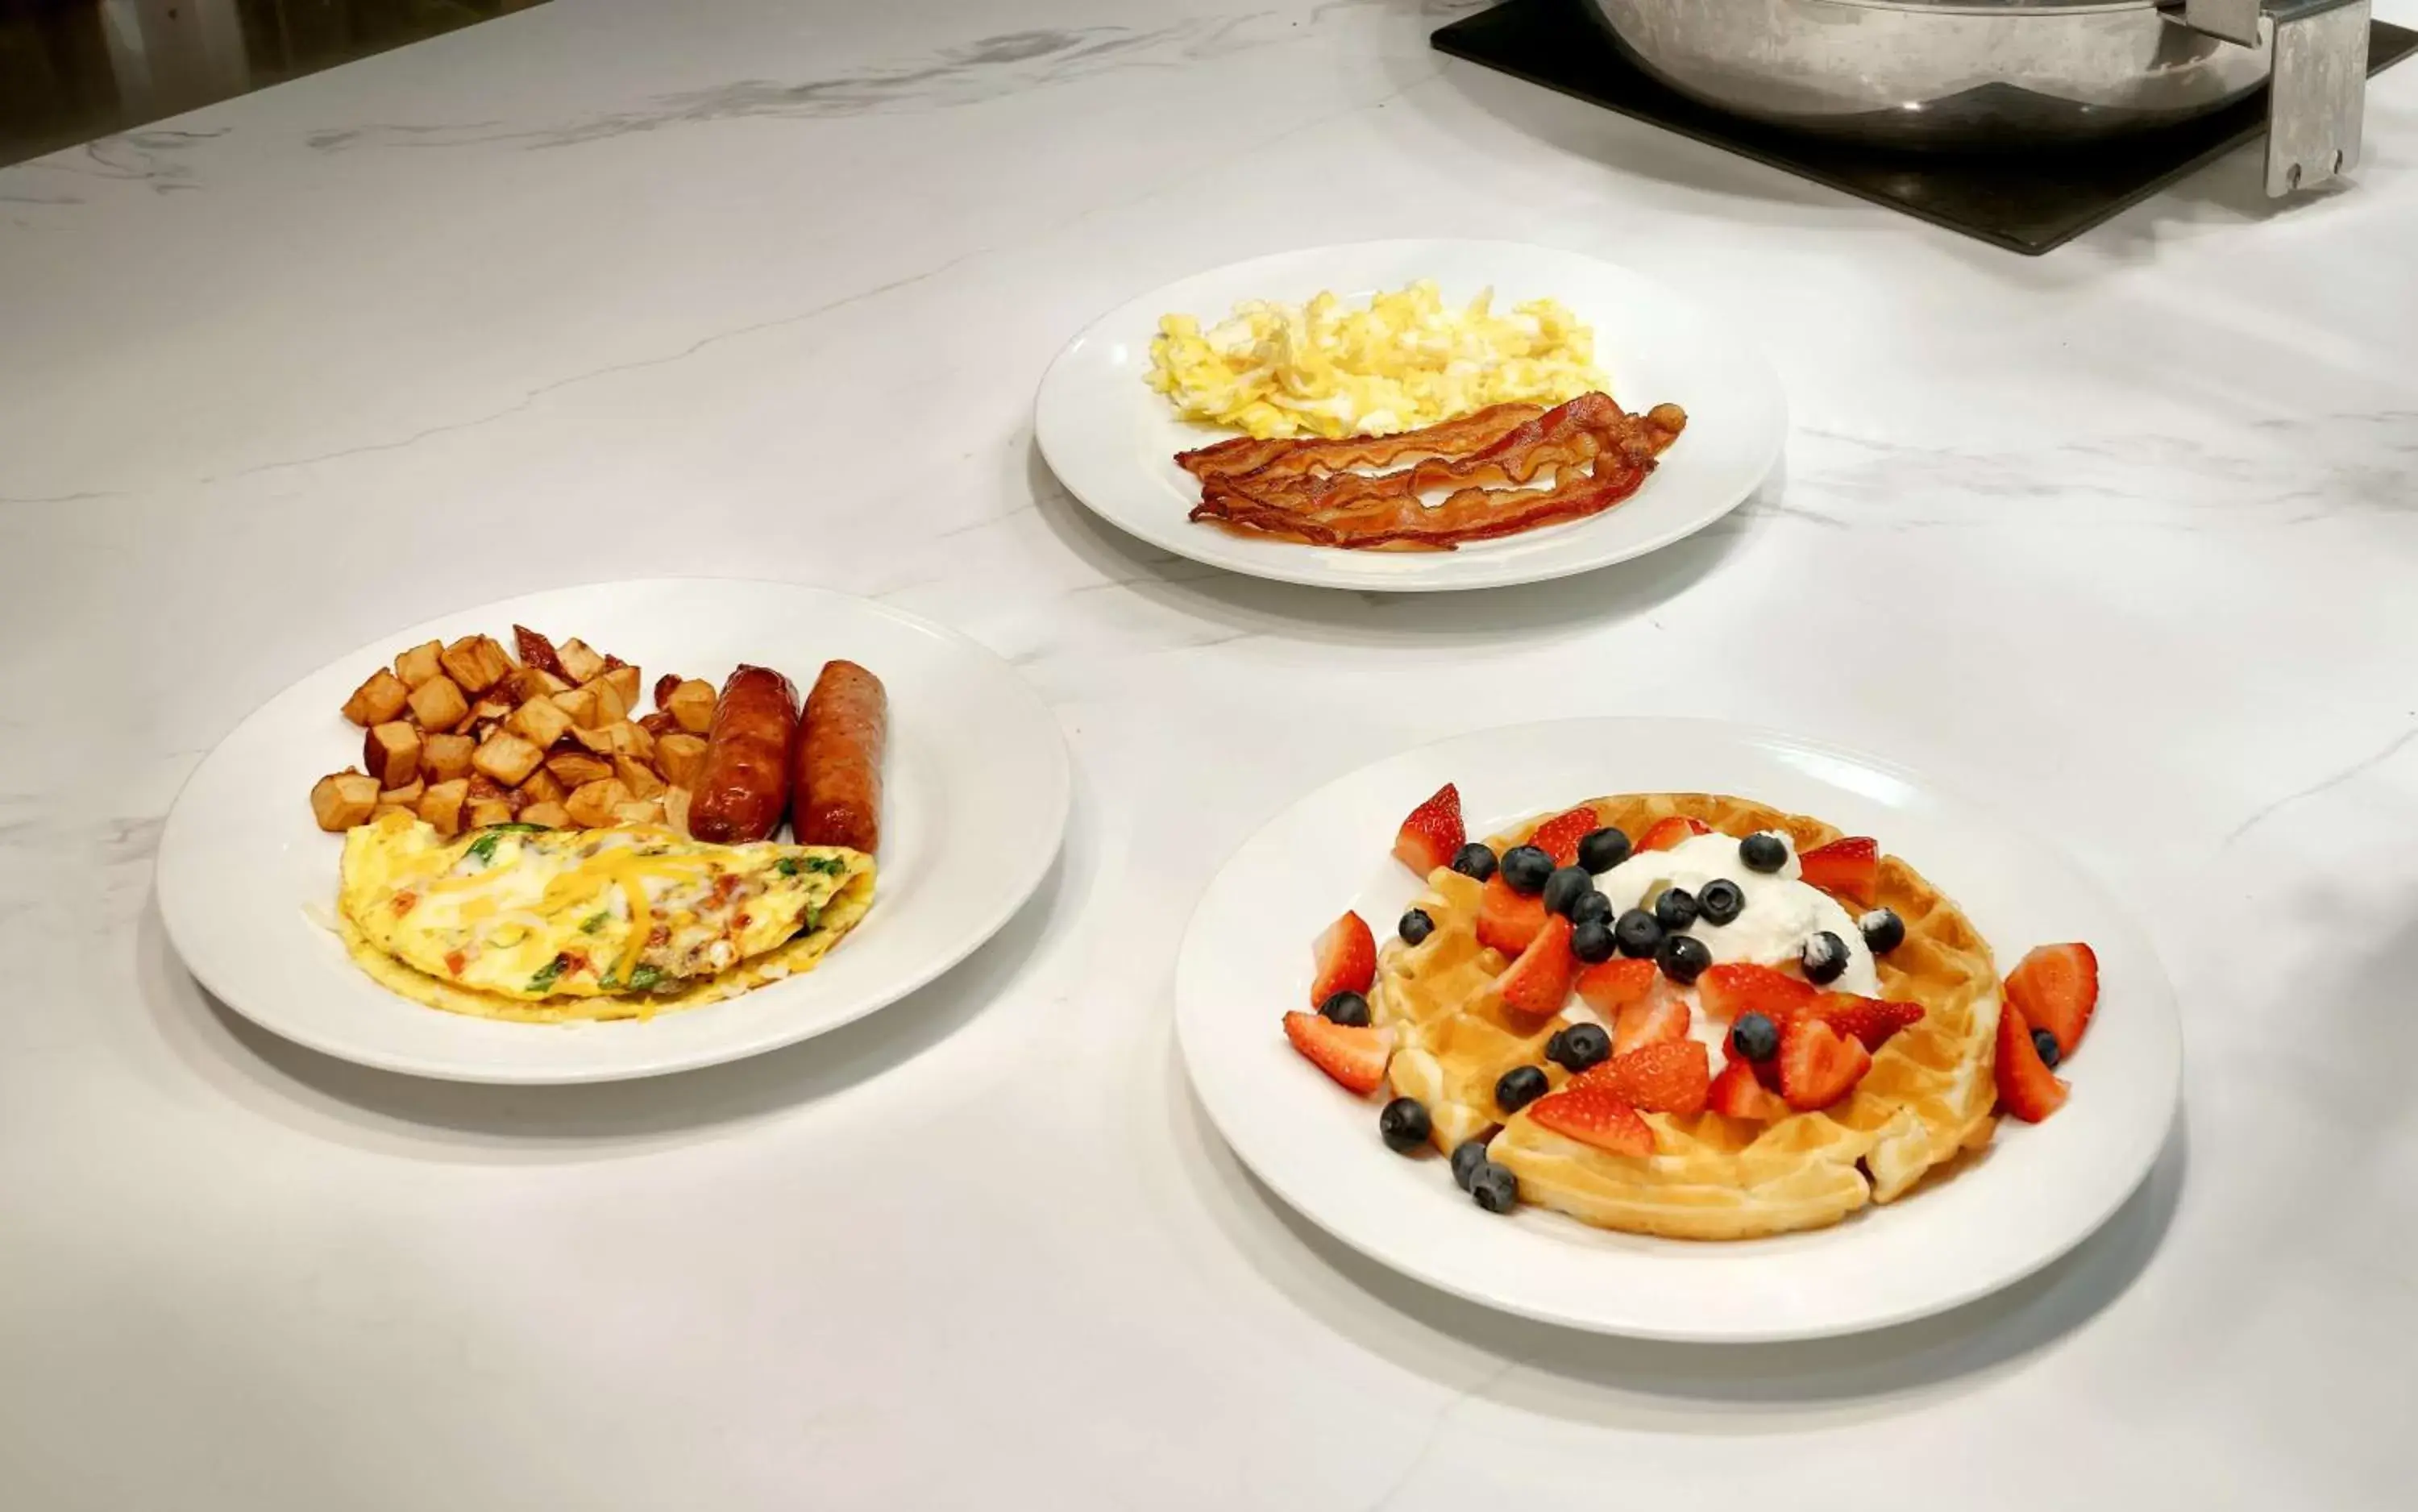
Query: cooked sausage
[838, 796]
[743, 780]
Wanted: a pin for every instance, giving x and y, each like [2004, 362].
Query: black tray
[2026, 202]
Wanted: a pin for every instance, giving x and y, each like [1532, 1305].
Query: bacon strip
[1598, 454]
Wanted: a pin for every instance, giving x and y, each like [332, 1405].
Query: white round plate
[1112, 441]
[969, 827]
[2040, 1191]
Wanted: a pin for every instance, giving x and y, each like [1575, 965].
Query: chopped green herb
[484, 847]
[644, 978]
[828, 865]
[786, 867]
[814, 917]
[595, 921]
[546, 974]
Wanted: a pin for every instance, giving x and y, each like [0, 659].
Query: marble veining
[2122, 538]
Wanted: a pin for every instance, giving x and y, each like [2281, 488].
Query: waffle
[1927, 1097]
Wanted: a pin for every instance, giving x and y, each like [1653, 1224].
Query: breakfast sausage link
[837, 797]
[743, 780]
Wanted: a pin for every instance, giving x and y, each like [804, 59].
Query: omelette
[518, 922]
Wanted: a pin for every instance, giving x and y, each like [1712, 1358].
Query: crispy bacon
[1597, 453]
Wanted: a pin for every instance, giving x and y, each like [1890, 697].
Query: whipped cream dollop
[1782, 912]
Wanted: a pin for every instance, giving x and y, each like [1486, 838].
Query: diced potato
[657, 723]
[580, 705]
[536, 650]
[486, 810]
[527, 682]
[580, 663]
[391, 752]
[692, 705]
[477, 663]
[631, 740]
[592, 805]
[379, 700]
[417, 664]
[441, 805]
[676, 808]
[677, 756]
[611, 708]
[384, 809]
[572, 769]
[507, 757]
[540, 721]
[539, 786]
[494, 709]
[444, 757]
[438, 705]
[624, 681]
[638, 777]
[638, 811]
[341, 799]
[665, 686]
[482, 786]
[553, 815]
[599, 741]
[408, 796]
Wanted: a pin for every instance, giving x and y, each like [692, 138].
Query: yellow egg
[1402, 361]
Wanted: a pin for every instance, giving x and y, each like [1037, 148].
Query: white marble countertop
[2124, 534]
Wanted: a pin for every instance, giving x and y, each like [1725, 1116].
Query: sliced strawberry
[1539, 982]
[1344, 959]
[1507, 920]
[1433, 832]
[1667, 1077]
[1654, 1019]
[2026, 1086]
[1848, 869]
[1817, 1064]
[1737, 1093]
[1735, 990]
[1871, 1020]
[1559, 836]
[1594, 1115]
[1611, 985]
[1355, 1058]
[1665, 834]
[2057, 986]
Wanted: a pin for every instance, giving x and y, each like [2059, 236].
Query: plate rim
[1028, 881]
[1313, 572]
[2169, 1098]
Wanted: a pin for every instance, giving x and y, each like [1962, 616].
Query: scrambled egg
[518, 922]
[1404, 361]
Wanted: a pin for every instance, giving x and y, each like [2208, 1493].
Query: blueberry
[1473, 860]
[1883, 931]
[1591, 906]
[1603, 849]
[1519, 1087]
[1495, 1189]
[1721, 901]
[1592, 941]
[1676, 909]
[2046, 1043]
[1825, 957]
[1754, 1037]
[1683, 957]
[1566, 887]
[1580, 1045]
[1763, 852]
[1416, 926]
[1526, 868]
[1468, 1156]
[1349, 1009]
[1638, 933]
[1403, 1125]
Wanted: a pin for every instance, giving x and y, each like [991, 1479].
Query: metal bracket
[2316, 91]
[2316, 80]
